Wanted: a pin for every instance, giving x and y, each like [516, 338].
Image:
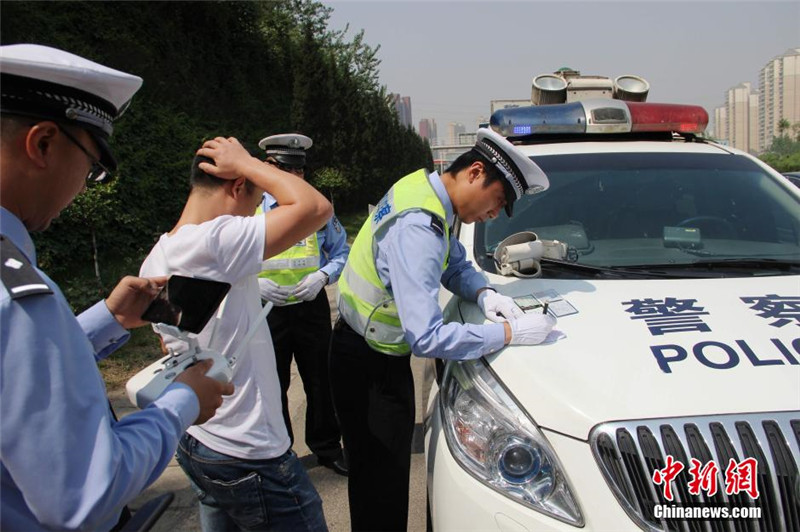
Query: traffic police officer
[300, 323]
[65, 463]
[389, 309]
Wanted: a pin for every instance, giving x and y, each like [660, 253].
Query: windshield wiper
[598, 271]
[604, 271]
[701, 268]
[754, 265]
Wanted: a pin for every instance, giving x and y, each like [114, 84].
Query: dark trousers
[303, 331]
[374, 398]
[274, 494]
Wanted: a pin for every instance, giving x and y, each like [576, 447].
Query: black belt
[342, 325]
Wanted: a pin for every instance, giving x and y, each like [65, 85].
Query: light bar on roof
[602, 116]
[555, 118]
[668, 117]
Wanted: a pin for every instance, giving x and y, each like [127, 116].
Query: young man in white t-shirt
[240, 461]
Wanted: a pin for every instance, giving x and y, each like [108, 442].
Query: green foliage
[782, 163]
[243, 69]
[784, 152]
[330, 180]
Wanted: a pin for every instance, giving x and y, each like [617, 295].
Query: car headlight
[493, 439]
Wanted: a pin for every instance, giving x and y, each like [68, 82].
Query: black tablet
[187, 302]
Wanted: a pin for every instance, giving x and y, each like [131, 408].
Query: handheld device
[186, 302]
[184, 306]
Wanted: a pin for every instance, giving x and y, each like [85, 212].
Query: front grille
[629, 452]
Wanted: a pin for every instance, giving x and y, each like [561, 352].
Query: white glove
[308, 288]
[493, 305]
[531, 329]
[272, 291]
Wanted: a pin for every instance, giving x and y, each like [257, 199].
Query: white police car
[677, 373]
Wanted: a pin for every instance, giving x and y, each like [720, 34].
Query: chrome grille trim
[779, 494]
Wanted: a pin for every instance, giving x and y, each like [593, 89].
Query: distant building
[749, 119]
[454, 129]
[780, 95]
[467, 138]
[721, 124]
[737, 122]
[427, 130]
[402, 106]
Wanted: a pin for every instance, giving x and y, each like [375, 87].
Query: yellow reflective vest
[289, 267]
[364, 301]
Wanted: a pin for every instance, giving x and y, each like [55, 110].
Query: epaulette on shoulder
[17, 273]
[437, 225]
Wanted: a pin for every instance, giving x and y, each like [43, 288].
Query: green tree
[784, 152]
[331, 181]
[243, 69]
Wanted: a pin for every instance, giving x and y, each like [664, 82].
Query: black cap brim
[106, 155]
[511, 196]
[289, 160]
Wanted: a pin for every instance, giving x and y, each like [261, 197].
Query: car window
[634, 209]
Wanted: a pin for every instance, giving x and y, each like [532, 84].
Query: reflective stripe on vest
[289, 267]
[364, 302]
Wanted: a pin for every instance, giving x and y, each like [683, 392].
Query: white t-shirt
[249, 424]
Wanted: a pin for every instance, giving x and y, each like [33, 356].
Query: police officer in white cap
[300, 323]
[389, 309]
[65, 462]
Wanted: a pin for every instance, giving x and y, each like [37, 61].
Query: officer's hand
[209, 391]
[230, 158]
[308, 288]
[272, 291]
[498, 307]
[531, 329]
[131, 297]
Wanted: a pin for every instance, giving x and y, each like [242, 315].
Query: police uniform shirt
[409, 260]
[65, 462]
[332, 240]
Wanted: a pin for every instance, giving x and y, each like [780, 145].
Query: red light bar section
[667, 117]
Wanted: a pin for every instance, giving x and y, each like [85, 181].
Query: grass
[352, 223]
[140, 351]
[79, 287]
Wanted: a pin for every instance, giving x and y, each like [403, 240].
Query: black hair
[467, 158]
[201, 179]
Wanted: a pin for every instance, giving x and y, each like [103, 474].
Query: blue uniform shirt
[409, 262]
[64, 462]
[332, 240]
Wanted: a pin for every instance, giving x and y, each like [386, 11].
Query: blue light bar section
[558, 118]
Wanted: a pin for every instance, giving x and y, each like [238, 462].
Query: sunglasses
[98, 172]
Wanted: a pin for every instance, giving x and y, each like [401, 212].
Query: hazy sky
[453, 57]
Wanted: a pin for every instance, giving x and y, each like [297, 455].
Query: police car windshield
[632, 209]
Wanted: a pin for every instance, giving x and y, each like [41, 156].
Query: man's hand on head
[230, 158]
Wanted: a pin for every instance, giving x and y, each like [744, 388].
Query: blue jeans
[236, 494]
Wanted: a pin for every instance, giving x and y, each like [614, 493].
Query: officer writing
[65, 463]
[300, 323]
[389, 309]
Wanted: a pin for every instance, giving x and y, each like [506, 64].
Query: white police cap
[522, 175]
[49, 83]
[288, 148]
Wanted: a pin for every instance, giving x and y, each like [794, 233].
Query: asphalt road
[182, 515]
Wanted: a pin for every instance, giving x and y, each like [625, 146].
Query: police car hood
[638, 349]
